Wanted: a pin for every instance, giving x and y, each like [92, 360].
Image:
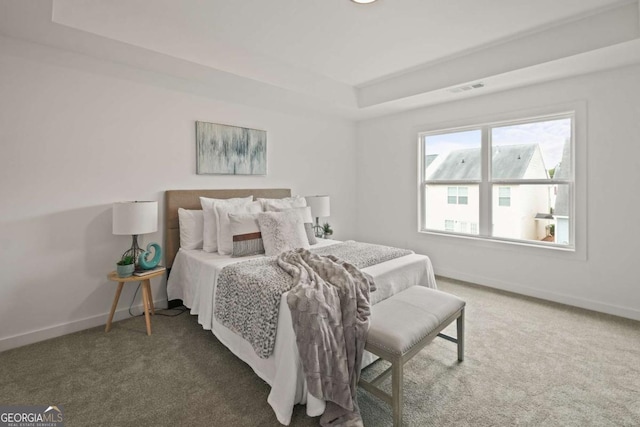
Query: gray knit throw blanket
[248, 293]
[330, 312]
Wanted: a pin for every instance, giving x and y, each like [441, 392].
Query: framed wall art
[230, 150]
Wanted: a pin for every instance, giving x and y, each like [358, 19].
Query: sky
[550, 135]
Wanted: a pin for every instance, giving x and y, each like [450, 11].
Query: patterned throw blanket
[248, 293]
[330, 312]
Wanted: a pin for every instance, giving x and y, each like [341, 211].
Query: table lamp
[320, 207]
[135, 218]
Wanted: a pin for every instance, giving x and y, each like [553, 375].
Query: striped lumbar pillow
[247, 239]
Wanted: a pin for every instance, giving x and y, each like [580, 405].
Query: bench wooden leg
[460, 337]
[397, 392]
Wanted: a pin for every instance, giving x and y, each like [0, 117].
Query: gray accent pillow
[311, 235]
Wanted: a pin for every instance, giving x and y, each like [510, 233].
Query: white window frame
[577, 111]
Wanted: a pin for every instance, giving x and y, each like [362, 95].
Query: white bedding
[193, 278]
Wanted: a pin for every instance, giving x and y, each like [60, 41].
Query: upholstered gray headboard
[190, 199]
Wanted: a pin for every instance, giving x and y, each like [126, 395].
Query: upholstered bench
[404, 324]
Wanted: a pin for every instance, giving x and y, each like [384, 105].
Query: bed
[193, 278]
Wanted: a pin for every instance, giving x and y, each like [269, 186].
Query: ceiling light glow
[363, 1]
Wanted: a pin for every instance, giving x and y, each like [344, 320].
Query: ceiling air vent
[466, 88]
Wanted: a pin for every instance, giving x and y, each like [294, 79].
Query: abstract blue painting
[230, 150]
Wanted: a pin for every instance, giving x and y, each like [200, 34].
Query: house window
[457, 195]
[504, 196]
[463, 195]
[452, 195]
[470, 175]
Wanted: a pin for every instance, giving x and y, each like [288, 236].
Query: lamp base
[318, 230]
[134, 251]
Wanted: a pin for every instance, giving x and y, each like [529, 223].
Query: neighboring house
[562, 209]
[455, 207]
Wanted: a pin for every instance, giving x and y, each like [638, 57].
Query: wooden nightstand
[147, 300]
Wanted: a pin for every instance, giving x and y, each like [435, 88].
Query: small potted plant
[125, 266]
[328, 232]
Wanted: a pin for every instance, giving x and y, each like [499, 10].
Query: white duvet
[193, 280]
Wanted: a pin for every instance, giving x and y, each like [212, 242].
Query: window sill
[527, 248]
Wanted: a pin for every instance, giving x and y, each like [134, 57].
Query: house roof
[429, 158]
[508, 162]
[563, 170]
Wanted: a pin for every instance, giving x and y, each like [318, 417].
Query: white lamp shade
[133, 218]
[320, 206]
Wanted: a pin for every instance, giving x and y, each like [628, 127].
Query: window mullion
[485, 185]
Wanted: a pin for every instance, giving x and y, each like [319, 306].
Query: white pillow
[307, 220]
[191, 228]
[225, 238]
[272, 205]
[210, 228]
[245, 235]
[282, 231]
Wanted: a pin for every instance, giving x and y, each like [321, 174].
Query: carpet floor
[528, 362]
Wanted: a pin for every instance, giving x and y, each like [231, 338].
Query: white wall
[606, 279]
[75, 140]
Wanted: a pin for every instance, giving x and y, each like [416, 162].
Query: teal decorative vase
[143, 260]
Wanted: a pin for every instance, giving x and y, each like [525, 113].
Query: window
[462, 195]
[452, 195]
[457, 195]
[509, 181]
[504, 196]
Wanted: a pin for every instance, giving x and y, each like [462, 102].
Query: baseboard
[626, 312]
[68, 328]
